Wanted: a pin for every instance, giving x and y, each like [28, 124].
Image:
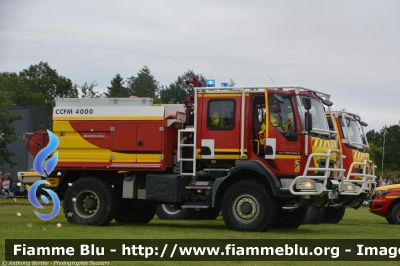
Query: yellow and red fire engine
[261, 155]
[360, 179]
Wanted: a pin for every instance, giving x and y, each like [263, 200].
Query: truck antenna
[271, 80]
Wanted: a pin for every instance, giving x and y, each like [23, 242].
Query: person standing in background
[5, 186]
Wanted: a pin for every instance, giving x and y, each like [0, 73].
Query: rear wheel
[89, 201]
[314, 215]
[333, 215]
[291, 219]
[134, 211]
[169, 212]
[395, 214]
[249, 206]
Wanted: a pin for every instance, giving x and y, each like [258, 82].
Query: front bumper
[379, 205]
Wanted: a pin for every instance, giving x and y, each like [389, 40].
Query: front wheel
[292, 219]
[314, 215]
[389, 219]
[249, 206]
[395, 214]
[89, 201]
[333, 215]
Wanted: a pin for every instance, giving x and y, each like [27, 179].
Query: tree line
[39, 85]
[385, 150]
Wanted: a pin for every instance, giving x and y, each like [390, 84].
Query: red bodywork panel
[136, 139]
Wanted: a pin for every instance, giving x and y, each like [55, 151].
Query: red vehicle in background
[386, 203]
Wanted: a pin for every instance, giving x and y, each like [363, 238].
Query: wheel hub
[245, 208]
[86, 203]
[90, 204]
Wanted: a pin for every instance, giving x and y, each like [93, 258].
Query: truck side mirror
[306, 103]
[327, 102]
[363, 123]
[308, 121]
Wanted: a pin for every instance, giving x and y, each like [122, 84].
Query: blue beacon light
[211, 83]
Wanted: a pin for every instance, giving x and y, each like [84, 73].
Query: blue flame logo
[32, 198]
[44, 166]
[40, 164]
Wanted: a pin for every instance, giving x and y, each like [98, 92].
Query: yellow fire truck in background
[360, 170]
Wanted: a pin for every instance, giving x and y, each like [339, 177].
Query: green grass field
[356, 224]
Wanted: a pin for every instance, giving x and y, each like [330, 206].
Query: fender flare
[255, 166]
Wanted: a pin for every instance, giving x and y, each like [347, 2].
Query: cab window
[221, 114]
[281, 114]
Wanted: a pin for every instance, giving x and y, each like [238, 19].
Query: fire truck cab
[359, 178]
[360, 170]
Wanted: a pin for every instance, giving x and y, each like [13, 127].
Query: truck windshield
[351, 131]
[319, 121]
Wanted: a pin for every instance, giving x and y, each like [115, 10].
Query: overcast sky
[349, 49]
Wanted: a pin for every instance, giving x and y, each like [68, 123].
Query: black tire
[389, 219]
[314, 215]
[291, 219]
[134, 211]
[169, 212]
[333, 215]
[89, 201]
[205, 214]
[395, 214]
[249, 206]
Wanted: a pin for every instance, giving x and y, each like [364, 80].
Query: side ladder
[182, 146]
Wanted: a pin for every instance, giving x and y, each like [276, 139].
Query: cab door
[281, 146]
[219, 121]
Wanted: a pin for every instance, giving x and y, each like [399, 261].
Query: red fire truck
[360, 179]
[260, 155]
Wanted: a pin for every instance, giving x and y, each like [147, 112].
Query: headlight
[381, 192]
[306, 185]
[349, 187]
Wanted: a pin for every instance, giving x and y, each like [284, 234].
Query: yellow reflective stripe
[83, 160]
[324, 143]
[315, 144]
[229, 150]
[229, 157]
[225, 150]
[280, 156]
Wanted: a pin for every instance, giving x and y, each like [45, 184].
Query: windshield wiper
[318, 134]
[354, 147]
